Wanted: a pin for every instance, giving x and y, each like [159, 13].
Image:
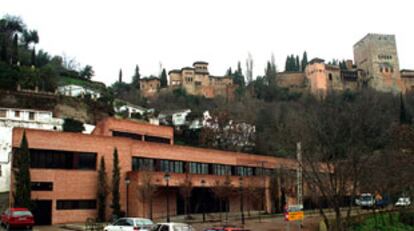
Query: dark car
[17, 218]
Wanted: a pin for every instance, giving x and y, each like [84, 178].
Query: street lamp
[167, 178]
[241, 200]
[203, 182]
[127, 182]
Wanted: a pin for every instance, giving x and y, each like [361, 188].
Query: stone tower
[376, 55]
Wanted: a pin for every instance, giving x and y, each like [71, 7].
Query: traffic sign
[295, 216]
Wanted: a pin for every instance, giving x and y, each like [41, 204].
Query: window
[31, 115]
[392, 70]
[75, 204]
[42, 186]
[221, 170]
[3, 113]
[57, 159]
[142, 164]
[156, 139]
[171, 166]
[127, 135]
[330, 76]
[381, 70]
[386, 69]
[198, 168]
[17, 114]
[244, 171]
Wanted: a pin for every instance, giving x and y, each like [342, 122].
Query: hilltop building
[407, 77]
[150, 86]
[376, 55]
[197, 80]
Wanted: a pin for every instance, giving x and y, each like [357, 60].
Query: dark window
[171, 166]
[244, 171]
[198, 168]
[139, 163]
[381, 70]
[127, 135]
[156, 139]
[330, 76]
[386, 69]
[31, 115]
[75, 204]
[3, 113]
[42, 186]
[56, 159]
[17, 114]
[221, 170]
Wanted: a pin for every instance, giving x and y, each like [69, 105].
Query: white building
[123, 106]
[77, 90]
[174, 117]
[24, 118]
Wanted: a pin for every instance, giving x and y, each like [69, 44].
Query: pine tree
[102, 191]
[116, 206]
[229, 72]
[136, 77]
[163, 78]
[287, 63]
[304, 61]
[120, 76]
[22, 194]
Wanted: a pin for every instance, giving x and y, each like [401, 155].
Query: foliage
[22, 195]
[87, 72]
[384, 222]
[135, 78]
[72, 125]
[116, 178]
[163, 78]
[102, 191]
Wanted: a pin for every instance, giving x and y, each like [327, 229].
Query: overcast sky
[110, 35]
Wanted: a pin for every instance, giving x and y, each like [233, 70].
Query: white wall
[42, 120]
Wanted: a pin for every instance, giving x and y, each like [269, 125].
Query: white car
[172, 227]
[403, 202]
[130, 224]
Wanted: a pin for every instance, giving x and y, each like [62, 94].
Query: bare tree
[146, 190]
[186, 187]
[223, 190]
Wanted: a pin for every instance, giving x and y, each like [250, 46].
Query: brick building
[64, 171]
[149, 86]
[197, 80]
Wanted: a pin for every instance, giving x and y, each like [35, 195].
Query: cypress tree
[22, 195]
[287, 64]
[120, 76]
[163, 78]
[136, 77]
[102, 191]
[292, 63]
[297, 63]
[33, 58]
[304, 61]
[116, 174]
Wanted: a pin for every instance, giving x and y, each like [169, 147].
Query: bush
[407, 217]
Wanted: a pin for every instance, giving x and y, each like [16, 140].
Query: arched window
[330, 76]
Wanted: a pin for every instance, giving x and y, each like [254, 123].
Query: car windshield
[366, 198]
[144, 222]
[21, 213]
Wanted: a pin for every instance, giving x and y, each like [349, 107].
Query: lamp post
[167, 178]
[203, 182]
[127, 181]
[241, 200]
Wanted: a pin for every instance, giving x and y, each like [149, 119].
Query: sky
[114, 35]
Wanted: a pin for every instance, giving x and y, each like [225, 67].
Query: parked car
[226, 229]
[403, 202]
[172, 227]
[130, 224]
[366, 200]
[17, 218]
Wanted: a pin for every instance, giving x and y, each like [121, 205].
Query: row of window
[384, 56]
[57, 159]
[17, 114]
[139, 164]
[386, 70]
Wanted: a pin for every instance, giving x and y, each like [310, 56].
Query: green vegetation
[387, 222]
[102, 191]
[116, 178]
[22, 195]
[72, 125]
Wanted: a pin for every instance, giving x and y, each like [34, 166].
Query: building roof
[205, 72]
[174, 71]
[187, 68]
[200, 62]
[407, 71]
[316, 60]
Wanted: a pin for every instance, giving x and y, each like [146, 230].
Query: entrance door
[42, 212]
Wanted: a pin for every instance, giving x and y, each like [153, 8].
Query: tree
[297, 63]
[222, 190]
[116, 177]
[22, 195]
[185, 189]
[163, 78]
[87, 72]
[304, 61]
[72, 125]
[120, 76]
[249, 68]
[136, 78]
[102, 191]
[33, 57]
[15, 51]
[147, 189]
[30, 36]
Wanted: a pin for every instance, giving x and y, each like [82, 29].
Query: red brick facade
[82, 184]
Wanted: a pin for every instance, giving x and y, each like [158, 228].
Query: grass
[383, 222]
